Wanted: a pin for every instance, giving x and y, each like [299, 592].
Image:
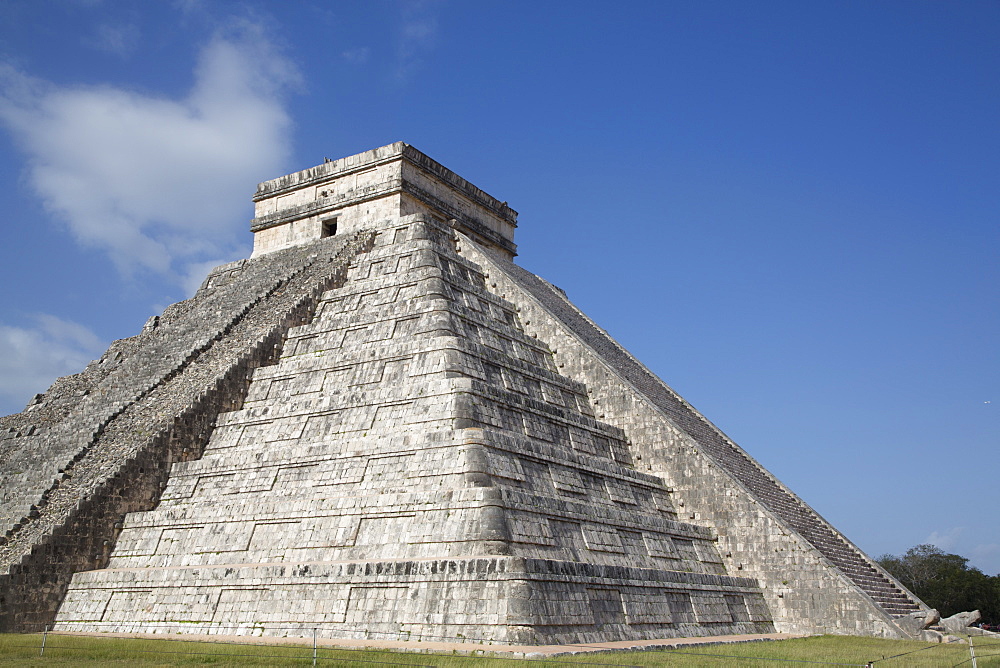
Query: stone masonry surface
[425, 473]
[683, 439]
[81, 470]
[380, 427]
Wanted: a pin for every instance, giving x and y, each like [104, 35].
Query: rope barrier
[766, 658]
[239, 655]
[312, 642]
[896, 656]
[314, 649]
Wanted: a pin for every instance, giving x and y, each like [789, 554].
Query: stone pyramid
[380, 426]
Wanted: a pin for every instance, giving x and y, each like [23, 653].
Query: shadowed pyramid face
[414, 463]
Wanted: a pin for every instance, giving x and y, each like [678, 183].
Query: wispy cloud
[358, 56]
[190, 7]
[946, 540]
[34, 355]
[120, 39]
[983, 552]
[159, 184]
[988, 556]
[417, 36]
[196, 273]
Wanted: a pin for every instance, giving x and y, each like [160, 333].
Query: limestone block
[414, 461]
[763, 527]
[958, 622]
[916, 622]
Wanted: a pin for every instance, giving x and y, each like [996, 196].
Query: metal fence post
[972, 651]
[314, 646]
[45, 633]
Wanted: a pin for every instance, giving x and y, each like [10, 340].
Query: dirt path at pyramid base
[466, 648]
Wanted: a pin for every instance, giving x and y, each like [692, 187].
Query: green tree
[945, 581]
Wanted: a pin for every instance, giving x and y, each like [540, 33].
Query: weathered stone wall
[361, 190]
[83, 405]
[804, 590]
[511, 600]
[404, 435]
[164, 414]
[413, 421]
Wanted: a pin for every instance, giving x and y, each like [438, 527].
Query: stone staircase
[160, 415]
[792, 510]
[413, 465]
[57, 430]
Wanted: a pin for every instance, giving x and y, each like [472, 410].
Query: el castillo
[379, 425]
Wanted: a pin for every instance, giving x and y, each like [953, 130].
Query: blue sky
[788, 210]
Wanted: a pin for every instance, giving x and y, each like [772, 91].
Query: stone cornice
[480, 197]
[463, 221]
[330, 171]
[327, 204]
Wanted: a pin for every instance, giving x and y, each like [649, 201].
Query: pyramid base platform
[500, 600]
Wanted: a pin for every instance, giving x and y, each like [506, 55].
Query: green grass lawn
[23, 650]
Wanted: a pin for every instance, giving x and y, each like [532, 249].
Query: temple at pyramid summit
[380, 426]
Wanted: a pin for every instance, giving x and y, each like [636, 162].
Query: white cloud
[189, 6]
[37, 355]
[417, 36]
[986, 556]
[196, 273]
[118, 39]
[158, 183]
[946, 540]
[357, 56]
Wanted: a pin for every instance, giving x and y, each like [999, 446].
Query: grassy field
[23, 650]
